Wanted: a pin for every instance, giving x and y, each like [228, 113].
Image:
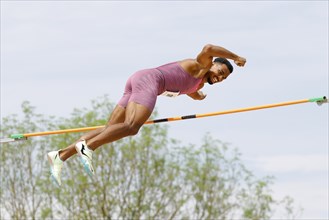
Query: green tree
[22, 167]
[148, 176]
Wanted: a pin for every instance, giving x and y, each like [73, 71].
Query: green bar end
[17, 136]
[319, 101]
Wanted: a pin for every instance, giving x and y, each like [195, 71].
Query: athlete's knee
[132, 128]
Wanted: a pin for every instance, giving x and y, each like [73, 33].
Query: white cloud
[292, 163]
[310, 194]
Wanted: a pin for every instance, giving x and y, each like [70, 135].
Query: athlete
[137, 103]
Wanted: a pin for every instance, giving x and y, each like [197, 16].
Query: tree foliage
[148, 176]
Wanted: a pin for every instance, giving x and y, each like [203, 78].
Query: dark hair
[226, 62]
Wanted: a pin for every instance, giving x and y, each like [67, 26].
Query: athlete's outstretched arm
[210, 51]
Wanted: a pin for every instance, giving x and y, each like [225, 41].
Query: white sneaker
[85, 156]
[55, 166]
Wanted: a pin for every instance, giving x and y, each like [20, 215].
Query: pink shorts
[143, 87]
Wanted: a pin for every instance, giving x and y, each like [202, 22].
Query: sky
[60, 55]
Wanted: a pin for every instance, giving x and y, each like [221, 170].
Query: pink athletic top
[176, 79]
[144, 86]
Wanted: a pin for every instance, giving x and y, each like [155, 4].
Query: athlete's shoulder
[193, 67]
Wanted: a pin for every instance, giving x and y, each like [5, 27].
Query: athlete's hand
[240, 61]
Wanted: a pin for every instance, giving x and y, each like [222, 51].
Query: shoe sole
[84, 162]
[52, 172]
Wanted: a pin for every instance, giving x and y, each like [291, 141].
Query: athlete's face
[217, 73]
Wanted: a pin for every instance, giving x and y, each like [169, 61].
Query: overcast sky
[60, 55]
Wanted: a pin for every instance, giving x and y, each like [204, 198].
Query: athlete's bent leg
[135, 116]
[117, 116]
